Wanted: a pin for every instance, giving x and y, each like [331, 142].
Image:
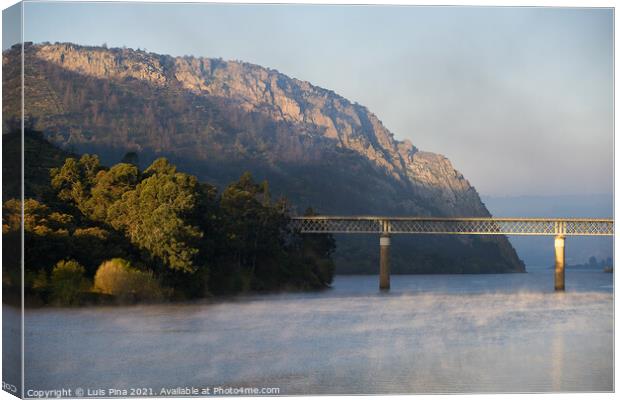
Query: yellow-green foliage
[68, 282]
[38, 218]
[74, 180]
[118, 278]
[110, 185]
[36, 279]
[155, 216]
[194, 242]
[40, 280]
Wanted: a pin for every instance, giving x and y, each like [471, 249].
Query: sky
[519, 99]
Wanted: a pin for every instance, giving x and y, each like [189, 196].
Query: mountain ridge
[214, 118]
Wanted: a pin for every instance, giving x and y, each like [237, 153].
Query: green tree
[68, 282]
[131, 157]
[109, 187]
[207, 217]
[154, 217]
[316, 250]
[75, 178]
[51, 235]
[194, 242]
[255, 232]
[46, 232]
[40, 280]
[91, 245]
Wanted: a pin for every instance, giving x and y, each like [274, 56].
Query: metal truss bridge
[456, 226]
[386, 226]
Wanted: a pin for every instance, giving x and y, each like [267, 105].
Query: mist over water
[430, 334]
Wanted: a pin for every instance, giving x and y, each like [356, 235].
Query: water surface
[429, 334]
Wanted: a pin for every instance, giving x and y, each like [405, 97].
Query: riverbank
[464, 283]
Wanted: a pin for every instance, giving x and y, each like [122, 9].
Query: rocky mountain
[217, 118]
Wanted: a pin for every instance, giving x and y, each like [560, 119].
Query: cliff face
[216, 118]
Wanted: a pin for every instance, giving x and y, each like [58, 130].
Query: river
[429, 334]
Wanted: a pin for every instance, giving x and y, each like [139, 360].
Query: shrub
[40, 280]
[118, 278]
[68, 282]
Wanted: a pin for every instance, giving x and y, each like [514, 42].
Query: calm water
[430, 334]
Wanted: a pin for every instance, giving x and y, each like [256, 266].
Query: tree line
[123, 234]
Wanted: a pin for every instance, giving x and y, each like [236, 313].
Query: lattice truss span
[455, 226]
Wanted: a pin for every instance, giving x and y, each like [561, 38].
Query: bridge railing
[455, 226]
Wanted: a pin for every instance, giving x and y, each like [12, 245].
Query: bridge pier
[559, 263]
[384, 262]
[558, 227]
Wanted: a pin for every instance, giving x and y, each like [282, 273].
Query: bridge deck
[455, 226]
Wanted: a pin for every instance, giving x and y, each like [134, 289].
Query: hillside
[216, 119]
[41, 157]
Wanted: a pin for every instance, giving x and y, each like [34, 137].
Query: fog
[431, 334]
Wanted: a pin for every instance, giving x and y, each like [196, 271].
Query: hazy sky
[520, 99]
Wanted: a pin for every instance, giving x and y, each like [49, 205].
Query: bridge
[387, 226]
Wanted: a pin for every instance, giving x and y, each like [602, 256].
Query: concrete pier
[386, 226]
[384, 259]
[559, 263]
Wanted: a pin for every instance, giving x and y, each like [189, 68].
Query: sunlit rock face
[217, 118]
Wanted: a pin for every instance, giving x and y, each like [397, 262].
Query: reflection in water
[431, 334]
[557, 361]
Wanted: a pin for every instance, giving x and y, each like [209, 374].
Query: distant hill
[216, 119]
